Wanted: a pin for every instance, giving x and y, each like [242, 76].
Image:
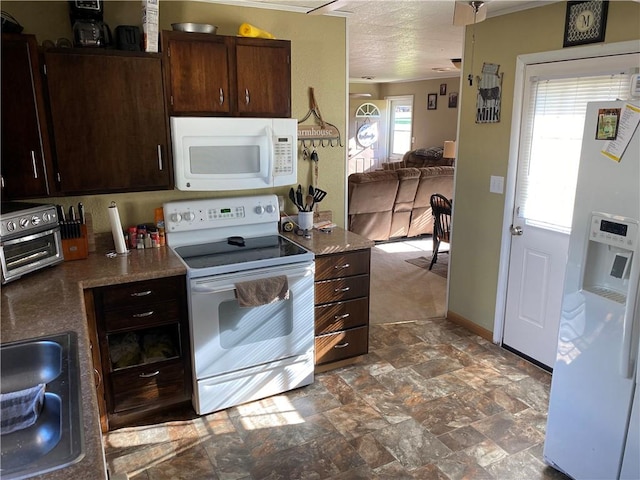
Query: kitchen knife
[61, 217]
[81, 213]
[72, 213]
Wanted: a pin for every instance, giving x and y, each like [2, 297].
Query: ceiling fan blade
[327, 7]
[467, 13]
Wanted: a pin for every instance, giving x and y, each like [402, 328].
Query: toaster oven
[29, 238]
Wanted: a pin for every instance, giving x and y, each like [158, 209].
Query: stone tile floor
[430, 401]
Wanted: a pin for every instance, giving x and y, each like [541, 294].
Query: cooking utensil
[299, 197]
[308, 206]
[318, 195]
[195, 27]
[292, 197]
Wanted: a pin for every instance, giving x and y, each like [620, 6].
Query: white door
[555, 97]
[367, 135]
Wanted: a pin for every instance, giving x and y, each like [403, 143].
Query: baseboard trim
[469, 325]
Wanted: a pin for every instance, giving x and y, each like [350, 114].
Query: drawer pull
[341, 345]
[345, 289]
[142, 315]
[340, 317]
[141, 294]
[341, 267]
[98, 377]
[149, 375]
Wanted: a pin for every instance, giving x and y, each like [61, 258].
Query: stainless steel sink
[56, 439]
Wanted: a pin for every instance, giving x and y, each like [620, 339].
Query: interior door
[367, 135]
[555, 97]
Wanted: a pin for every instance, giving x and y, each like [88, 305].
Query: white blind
[552, 128]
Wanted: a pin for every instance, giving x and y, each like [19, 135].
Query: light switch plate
[496, 185]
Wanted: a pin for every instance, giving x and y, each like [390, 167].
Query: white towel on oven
[254, 293]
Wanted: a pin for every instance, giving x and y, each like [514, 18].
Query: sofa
[394, 203]
[421, 157]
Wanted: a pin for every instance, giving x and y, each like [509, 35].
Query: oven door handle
[202, 289]
[30, 237]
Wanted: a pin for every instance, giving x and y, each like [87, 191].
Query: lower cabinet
[341, 307]
[142, 359]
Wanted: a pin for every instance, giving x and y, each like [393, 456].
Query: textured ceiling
[401, 40]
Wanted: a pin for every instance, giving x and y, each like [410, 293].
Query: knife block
[76, 248]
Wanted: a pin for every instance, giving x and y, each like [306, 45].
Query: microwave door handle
[270, 173]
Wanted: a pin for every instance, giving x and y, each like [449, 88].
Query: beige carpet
[401, 292]
[441, 267]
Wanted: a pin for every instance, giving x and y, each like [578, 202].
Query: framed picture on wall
[443, 89]
[432, 101]
[585, 22]
[453, 100]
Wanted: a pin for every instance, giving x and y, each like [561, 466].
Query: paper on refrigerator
[629, 119]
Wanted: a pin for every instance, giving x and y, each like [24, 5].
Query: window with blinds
[550, 142]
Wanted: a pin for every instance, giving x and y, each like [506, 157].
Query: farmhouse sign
[489, 94]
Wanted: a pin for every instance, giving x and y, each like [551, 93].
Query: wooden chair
[441, 210]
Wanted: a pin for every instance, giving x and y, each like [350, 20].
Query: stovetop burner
[216, 254]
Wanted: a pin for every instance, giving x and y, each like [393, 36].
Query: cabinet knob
[33, 164]
[246, 96]
[160, 163]
[141, 294]
[221, 96]
[98, 380]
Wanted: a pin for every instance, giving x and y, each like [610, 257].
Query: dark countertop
[51, 301]
[336, 241]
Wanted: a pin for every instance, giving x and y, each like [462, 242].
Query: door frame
[576, 53]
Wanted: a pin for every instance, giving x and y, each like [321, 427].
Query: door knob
[516, 231]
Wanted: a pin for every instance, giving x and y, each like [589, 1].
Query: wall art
[489, 94]
[432, 101]
[585, 22]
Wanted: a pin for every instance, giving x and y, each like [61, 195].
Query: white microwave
[216, 153]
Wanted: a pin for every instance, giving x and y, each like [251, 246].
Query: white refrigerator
[593, 427]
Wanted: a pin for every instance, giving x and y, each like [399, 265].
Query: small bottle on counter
[162, 240]
[155, 237]
[132, 237]
[140, 242]
[159, 217]
[147, 240]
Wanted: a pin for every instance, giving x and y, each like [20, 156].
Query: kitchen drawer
[142, 316]
[342, 264]
[145, 385]
[341, 289]
[341, 315]
[340, 345]
[141, 293]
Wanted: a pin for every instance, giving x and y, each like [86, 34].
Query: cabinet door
[198, 73]
[263, 73]
[109, 122]
[25, 141]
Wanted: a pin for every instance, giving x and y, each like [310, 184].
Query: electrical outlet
[496, 185]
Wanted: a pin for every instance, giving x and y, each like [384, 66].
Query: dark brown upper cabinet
[109, 119]
[227, 76]
[26, 153]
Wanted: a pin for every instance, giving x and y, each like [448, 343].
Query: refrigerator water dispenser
[612, 241]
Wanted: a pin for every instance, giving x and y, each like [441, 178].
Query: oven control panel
[21, 223]
[185, 216]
